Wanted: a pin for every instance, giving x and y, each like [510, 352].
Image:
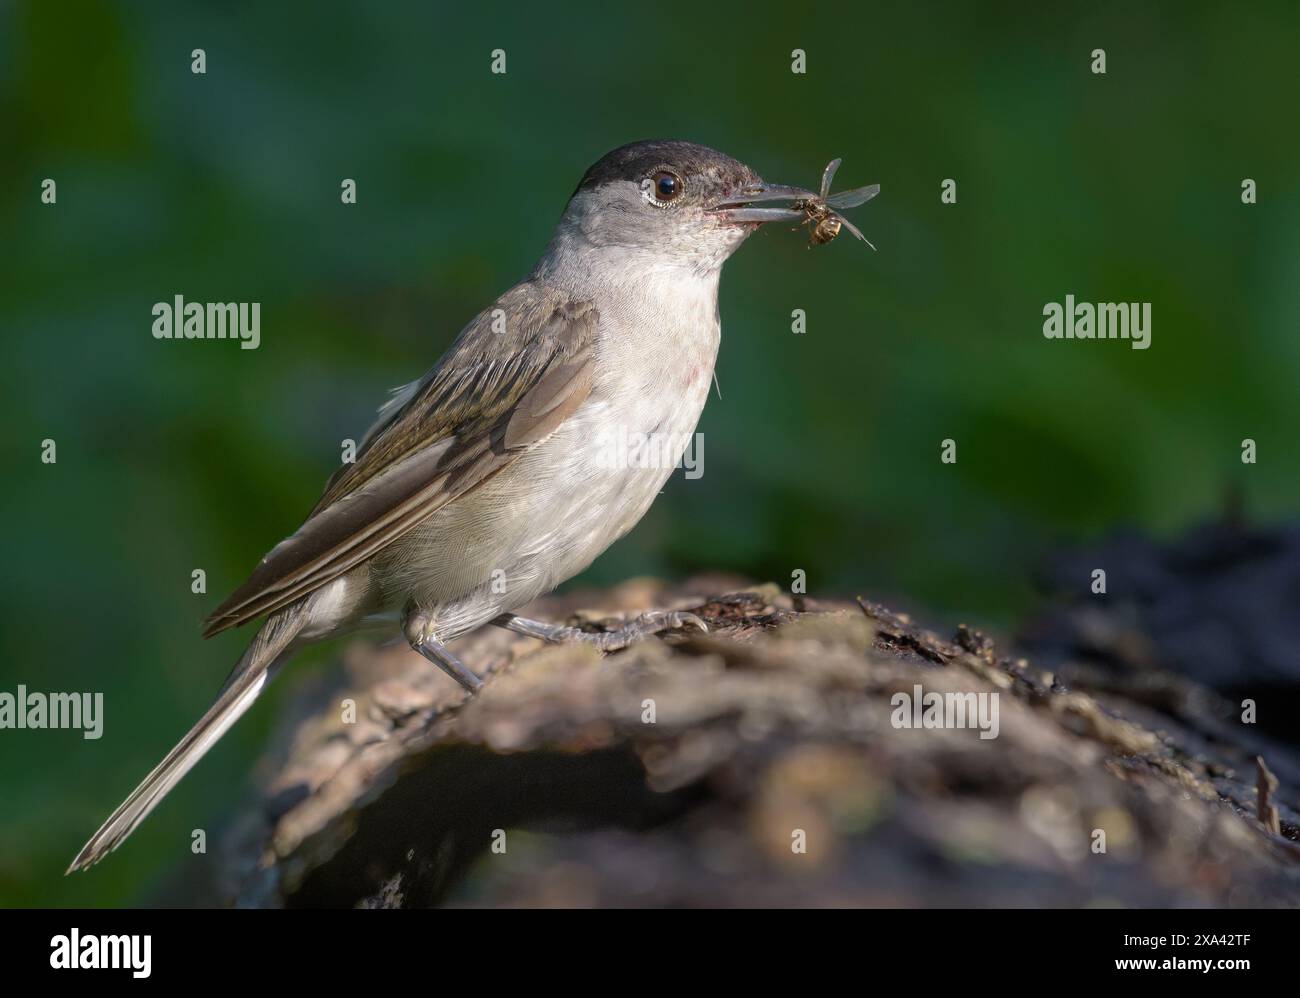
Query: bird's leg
[418, 628]
[654, 622]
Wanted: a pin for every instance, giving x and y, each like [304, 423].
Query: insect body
[822, 214]
[825, 225]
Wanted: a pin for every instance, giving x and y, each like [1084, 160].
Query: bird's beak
[739, 206]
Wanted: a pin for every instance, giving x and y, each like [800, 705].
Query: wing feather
[510, 380]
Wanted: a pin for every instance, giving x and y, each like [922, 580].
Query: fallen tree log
[763, 763]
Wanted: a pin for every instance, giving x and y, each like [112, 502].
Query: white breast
[560, 505]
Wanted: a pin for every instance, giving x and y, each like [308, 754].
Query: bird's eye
[666, 185]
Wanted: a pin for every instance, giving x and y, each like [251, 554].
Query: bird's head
[678, 202]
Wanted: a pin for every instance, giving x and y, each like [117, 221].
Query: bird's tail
[246, 681]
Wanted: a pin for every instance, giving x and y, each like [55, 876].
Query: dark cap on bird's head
[636, 160]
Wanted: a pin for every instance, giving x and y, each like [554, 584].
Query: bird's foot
[418, 629]
[653, 622]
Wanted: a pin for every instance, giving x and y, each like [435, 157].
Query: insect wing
[828, 176]
[855, 230]
[853, 198]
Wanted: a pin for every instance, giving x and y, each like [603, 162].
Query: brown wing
[513, 375]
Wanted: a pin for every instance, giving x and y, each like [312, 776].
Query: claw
[644, 626]
[682, 620]
[651, 622]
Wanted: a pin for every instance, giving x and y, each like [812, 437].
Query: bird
[486, 483]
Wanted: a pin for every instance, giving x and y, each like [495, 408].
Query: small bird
[483, 484]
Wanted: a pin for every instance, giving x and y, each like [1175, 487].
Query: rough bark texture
[771, 732]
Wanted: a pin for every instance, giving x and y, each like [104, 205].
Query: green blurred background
[823, 451]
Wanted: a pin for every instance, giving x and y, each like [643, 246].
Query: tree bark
[762, 763]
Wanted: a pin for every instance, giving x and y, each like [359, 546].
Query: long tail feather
[241, 689]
